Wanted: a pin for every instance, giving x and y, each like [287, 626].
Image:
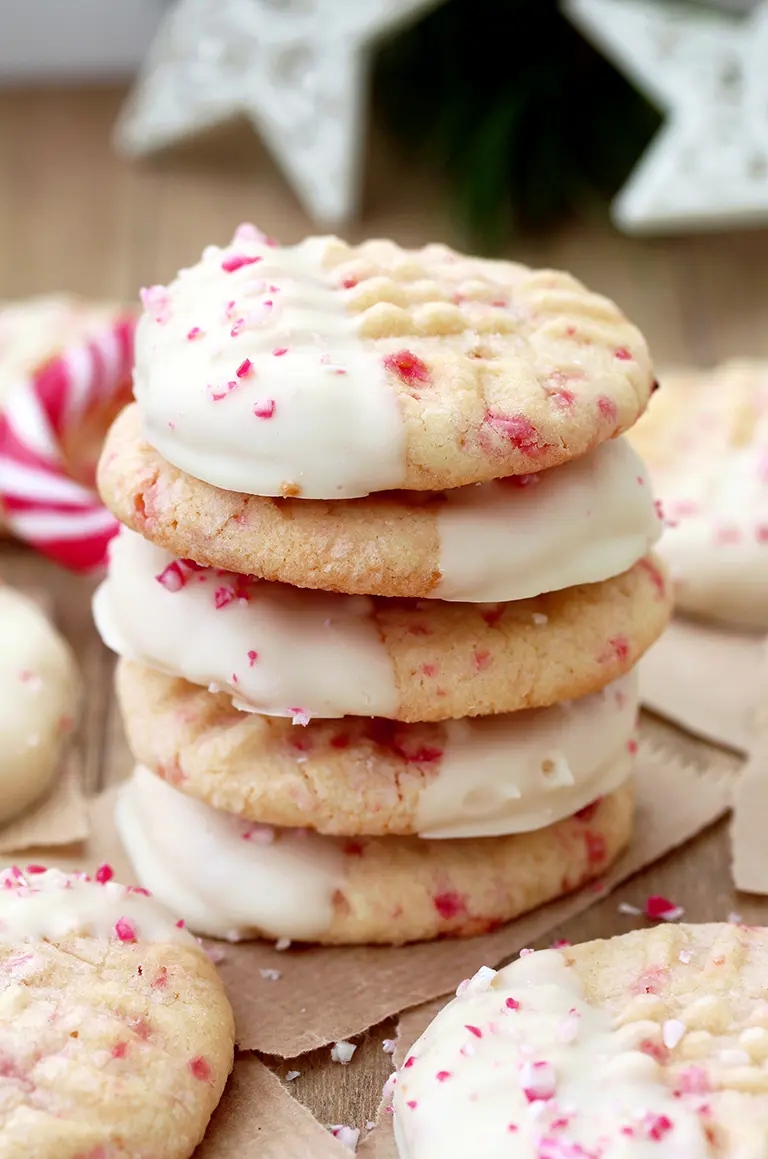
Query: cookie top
[465, 778]
[650, 1043]
[39, 689]
[303, 654]
[117, 1037]
[233, 879]
[705, 437]
[329, 371]
[580, 523]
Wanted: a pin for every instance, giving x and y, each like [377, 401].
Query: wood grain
[72, 217]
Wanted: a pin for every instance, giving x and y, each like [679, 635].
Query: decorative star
[298, 69]
[708, 165]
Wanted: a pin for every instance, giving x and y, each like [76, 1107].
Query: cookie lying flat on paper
[233, 879]
[39, 690]
[653, 1043]
[287, 652]
[487, 776]
[116, 1035]
[705, 440]
[582, 522]
[330, 371]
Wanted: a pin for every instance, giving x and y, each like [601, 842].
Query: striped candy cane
[42, 505]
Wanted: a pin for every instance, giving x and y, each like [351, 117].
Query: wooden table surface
[74, 218]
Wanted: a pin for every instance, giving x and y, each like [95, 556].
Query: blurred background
[501, 126]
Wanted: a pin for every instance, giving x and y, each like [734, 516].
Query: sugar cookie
[39, 687]
[234, 880]
[518, 541]
[466, 778]
[706, 441]
[116, 1035]
[332, 371]
[286, 652]
[650, 1043]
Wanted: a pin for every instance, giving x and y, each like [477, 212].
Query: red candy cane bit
[37, 869]
[412, 1104]
[217, 393]
[429, 669]
[512, 1004]
[442, 1075]
[656, 577]
[408, 367]
[632, 746]
[519, 431]
[449, 904]
[119, 1050]
[349, 283]
[474, 1030]
[482, 659]
[157, 302]
[200, 1069]
[623, 354]
[279, 351]
[125, 930]
[607, 408]
[195, 332]
[172, 577]
[662, 909]
[104, 874]
[160, 979]
[538, 1081]
[180, 924]
[562, 399]
[596, 849]
[237, 326]
[265, 409]
[237, 261]
[252, 658]
[657, 1126]
[223, 596]
[588, 812]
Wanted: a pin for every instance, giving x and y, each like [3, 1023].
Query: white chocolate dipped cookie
[652, 1043]
[581, 523]
[232, 879]
[489, 776]
[281, 651]
[330, 371]
[115, 1032]
[705, 438]
[39, 690]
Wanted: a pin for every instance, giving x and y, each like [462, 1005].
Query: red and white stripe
[59, 517]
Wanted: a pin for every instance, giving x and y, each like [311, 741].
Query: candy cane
[42, 505]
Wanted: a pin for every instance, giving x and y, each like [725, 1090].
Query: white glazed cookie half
[489, 776]
[583, 522]
[327, 371]
[706, 441]
[653, 1043]
[115, 1032]
[283, 651]
[39, 691]
[232, 879]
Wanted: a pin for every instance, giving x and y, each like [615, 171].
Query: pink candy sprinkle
[172, 577]
[200, 1069]
[661, 909]
[244, 368]
[538, 1080]
[237, 261]
[217, 393]
[195, 332]
[265, 409]
[125, 930]
[252, 658]
[104, 874]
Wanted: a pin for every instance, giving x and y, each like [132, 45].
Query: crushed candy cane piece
[290, 1075]
[671, 1032]
[282, 944]
[347, 1136]
[538, 1081]
[271, 975]
[237, 261]
[734, 919]
[661, 909]
[684, 956]
[624, 907]
[125, 930]
[342, 1052]
[388, 1045]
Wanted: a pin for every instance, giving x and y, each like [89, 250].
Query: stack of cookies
[382, 584]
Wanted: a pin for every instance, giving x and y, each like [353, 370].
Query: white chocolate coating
[39, 686]
[276, 650]
[520, 1066]
[48, 906]
[585, 521]
[524, 770]
[319, 416]
[212, 868]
